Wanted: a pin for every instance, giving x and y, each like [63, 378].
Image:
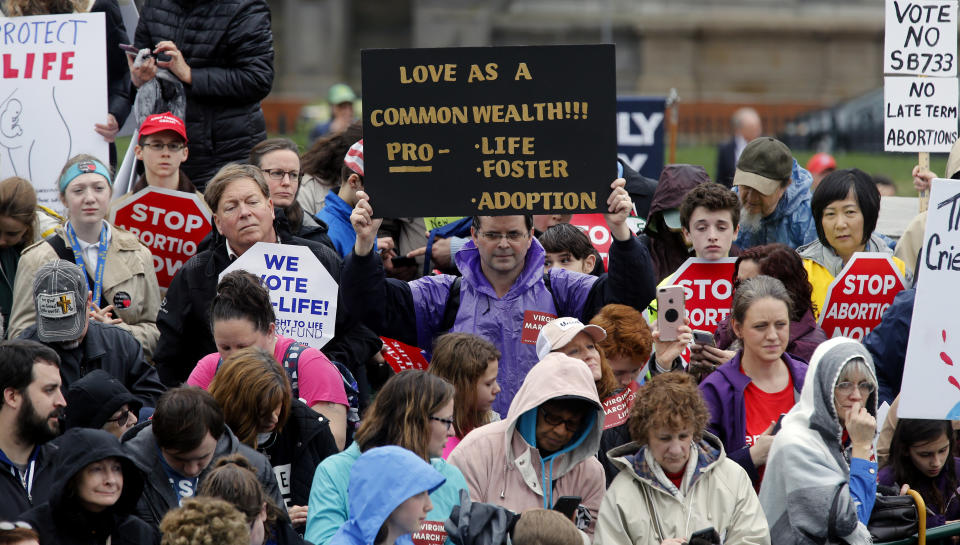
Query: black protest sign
[489, 130]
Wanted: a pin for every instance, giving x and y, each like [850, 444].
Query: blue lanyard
[27, 478]
[97, 288]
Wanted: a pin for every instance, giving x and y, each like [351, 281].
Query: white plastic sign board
[931, 377]
[920, 114]
[303, 293]
[920, 38]
[53, 90]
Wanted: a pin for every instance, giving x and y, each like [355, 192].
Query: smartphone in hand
[704, 338]
[670, 311]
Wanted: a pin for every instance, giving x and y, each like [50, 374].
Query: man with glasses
[162, 146]
[30, 412]
[503, 296]
[100, 401]
[546, 447]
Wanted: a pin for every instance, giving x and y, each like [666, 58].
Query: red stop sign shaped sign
[859, 295]
[595, 227]
[708, 290]
[170, 223]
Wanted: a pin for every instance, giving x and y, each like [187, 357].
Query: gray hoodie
[806, 487]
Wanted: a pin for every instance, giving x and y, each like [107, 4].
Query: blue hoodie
[791, 222]
[381, 479]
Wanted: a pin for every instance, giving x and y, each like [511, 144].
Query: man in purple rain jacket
[504, 295]
[723, 391]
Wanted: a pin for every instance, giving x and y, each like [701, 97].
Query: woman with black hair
[95, 494]
[241, 316]
[922, 456]
[845, 207]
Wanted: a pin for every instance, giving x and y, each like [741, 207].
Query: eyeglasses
[7, 526]
[512, 236]
[866, 388]
[122, 419]
[171, 146]
[447, 421]
[277, 174]
[554, 420]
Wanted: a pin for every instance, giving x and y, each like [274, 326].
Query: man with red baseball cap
[162, 146]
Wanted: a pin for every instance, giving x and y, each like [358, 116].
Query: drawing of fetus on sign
[34, 136]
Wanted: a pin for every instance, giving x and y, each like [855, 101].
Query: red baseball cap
[163, 122]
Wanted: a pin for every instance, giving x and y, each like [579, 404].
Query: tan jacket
[129, 270]
[502, 468]
[715, 492]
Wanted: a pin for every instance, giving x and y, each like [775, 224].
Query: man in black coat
[82, 345]
[746, 126]
[184, 317]
[223, 53]
[30, 409]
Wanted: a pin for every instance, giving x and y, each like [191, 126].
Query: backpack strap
[546, 284]
[291, 364]
[453, 302]
[60, 247]
[452, 306]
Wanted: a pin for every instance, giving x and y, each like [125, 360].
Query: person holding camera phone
[676, 484]
[709, 220]
[223, 54]
[747, 395]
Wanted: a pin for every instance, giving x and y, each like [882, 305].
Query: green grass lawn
[896, 166]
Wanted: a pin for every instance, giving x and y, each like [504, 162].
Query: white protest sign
[920, 37]
[920, 114]
[931, 380]
[303, 293]
[53, 90]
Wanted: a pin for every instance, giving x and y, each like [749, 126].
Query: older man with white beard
[775, 196]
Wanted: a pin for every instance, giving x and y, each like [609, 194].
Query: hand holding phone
[670, 311]
[567, 505]
[704, 338]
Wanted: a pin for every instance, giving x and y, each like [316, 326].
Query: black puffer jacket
[229, 48]
[63, 521]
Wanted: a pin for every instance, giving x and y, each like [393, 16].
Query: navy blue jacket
[887, 344]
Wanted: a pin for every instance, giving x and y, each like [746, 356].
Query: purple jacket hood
[503, 321]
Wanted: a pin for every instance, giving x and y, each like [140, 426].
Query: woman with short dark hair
[845, 207]
[279, 159]
[675, 478]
